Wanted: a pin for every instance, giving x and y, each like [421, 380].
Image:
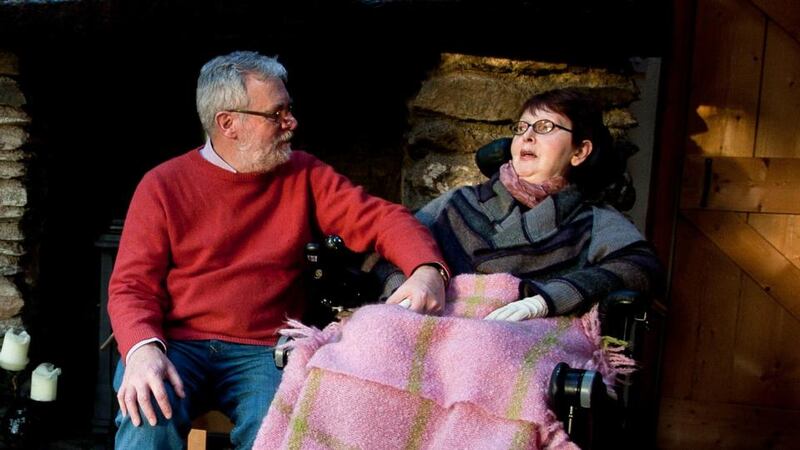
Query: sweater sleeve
[367, 222]
[619, 258]
[137, 294]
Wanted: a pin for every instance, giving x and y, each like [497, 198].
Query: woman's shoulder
[428, 213]
[609, 222]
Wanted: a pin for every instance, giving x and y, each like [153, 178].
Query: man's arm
[367, 222]
[136, 303]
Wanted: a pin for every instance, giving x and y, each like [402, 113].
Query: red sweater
[211, 254]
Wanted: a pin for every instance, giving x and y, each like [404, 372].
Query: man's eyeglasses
[276, 117]
[541, 126]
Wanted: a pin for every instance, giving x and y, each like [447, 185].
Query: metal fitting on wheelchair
[282, 352]
[573, 391]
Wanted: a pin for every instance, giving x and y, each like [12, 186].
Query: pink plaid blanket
[389, 378]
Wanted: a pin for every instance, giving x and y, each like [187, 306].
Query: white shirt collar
[209, 154]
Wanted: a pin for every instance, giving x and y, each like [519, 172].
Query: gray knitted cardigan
[571, 252]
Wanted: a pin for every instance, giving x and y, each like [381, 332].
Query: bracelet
[443, 273]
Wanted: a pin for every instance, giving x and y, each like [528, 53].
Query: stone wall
[469, 101]
[13, 195]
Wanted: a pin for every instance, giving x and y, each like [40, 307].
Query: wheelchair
[340, 282]
[579, 398]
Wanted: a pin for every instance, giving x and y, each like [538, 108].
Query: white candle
[14, 355]
[44, 382]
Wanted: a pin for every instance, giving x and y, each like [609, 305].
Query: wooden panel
[754, 254]
[729, 38]
[686, 424]
[782, 231]
[778, 133]
[214, 422]
[700, 335]
[196, 440]
[767, 357]
[784, 12]
[742, 184]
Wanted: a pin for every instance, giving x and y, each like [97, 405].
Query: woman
[387, 378]
[539, 219]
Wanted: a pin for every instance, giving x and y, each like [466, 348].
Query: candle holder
[15, 423]
[32, 393]
[22, 425]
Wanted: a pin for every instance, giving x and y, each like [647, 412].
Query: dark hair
[605, 165]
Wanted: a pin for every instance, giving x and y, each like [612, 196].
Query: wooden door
[731, 366]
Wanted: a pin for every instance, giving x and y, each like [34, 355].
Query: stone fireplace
[105, 92]
[13, 194]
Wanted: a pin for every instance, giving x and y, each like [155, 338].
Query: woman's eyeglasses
[541, 126]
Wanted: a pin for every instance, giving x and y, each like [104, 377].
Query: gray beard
[264, 160]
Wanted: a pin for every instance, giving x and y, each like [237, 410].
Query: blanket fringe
[308, 336]
[610, 359]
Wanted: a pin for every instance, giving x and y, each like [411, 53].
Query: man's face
[264, 143]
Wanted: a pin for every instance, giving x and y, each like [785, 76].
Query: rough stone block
[8, 288]
[9, 64]
[619, 118]
[9, 93]
[436, 174]
[450, 135]
[11, 169]
[9, 265]
[13, 116]
[10, 307]
[11, 212]
[455, 62]
[12, 193]
[471, 96]
[10, 299]
[13, 248]
[10, 231]
[12, 137]
[7, 324]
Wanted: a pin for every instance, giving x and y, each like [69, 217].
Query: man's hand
[527, 308]
[422, 292]
[145, 372]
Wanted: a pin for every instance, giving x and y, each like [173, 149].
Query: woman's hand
[527, 308]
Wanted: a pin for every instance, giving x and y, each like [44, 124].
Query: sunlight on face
[540, 157]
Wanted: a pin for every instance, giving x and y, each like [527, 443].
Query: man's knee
[165, 434]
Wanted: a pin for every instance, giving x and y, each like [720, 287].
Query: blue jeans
[239, 380]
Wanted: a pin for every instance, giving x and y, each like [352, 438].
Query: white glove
[527, 308]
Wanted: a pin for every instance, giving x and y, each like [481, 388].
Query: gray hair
[221, 84]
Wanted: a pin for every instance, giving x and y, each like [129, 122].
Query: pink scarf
[527, 193]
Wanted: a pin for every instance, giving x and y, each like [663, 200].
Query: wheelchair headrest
[491, 156]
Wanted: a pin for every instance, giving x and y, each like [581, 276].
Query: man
[210, 261]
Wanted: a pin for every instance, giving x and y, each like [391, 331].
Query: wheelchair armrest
[337, 284]
[622, 313]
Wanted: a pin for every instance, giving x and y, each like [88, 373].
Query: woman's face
[540, 157]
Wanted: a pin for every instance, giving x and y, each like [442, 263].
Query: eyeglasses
[541, 126]
[277, 117]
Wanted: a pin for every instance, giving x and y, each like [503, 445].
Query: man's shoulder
[172, 169]
[179, 162]
[303, 159]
